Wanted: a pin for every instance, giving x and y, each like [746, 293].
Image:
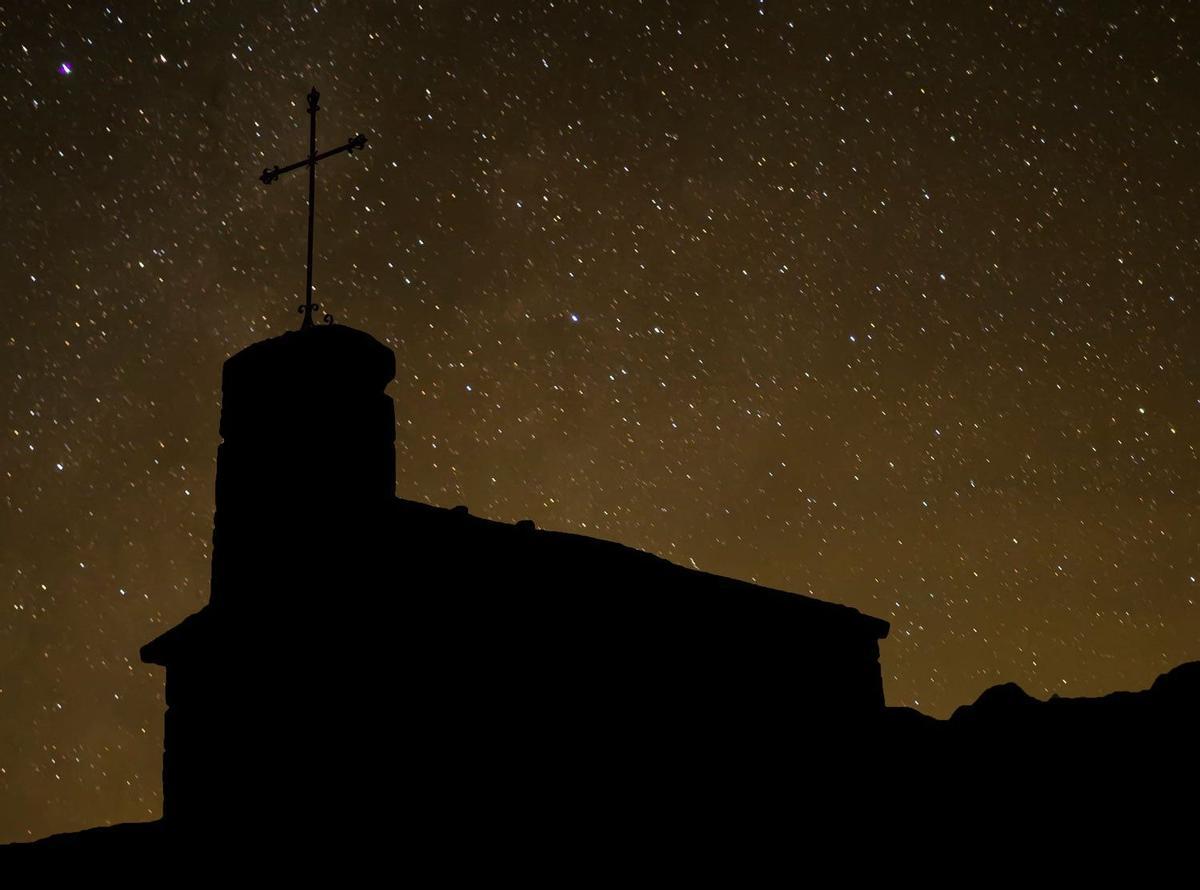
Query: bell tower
[306, 463]
[264, 681]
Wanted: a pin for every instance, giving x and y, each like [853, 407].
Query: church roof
[597, 551]
[526, 551]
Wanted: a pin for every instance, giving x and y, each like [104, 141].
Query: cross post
[270, 174]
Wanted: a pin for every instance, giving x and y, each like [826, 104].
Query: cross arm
[358, 143]
[270, 174]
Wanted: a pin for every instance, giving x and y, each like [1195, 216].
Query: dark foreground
[1067, 768]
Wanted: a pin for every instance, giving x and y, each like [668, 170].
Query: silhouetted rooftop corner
[322, 357]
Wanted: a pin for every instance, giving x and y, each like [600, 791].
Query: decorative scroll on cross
[272, 173]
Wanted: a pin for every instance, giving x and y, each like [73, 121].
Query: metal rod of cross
[270, 174]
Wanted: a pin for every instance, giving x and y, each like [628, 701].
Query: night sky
[892, 305]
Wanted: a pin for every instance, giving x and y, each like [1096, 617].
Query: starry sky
[888, 303]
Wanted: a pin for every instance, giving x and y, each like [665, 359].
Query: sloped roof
[158, 650]
[533, 547]
[633, 560]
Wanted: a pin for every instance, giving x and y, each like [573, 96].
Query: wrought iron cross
[270, 174]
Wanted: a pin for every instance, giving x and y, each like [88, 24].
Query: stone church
[361, 648]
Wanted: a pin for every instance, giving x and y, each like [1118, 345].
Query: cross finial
[271, 174]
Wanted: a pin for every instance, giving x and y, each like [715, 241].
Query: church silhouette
[369, 665]
[348, 629]
[335, 604]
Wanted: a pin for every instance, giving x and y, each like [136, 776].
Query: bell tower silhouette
[265, 685]
[307, 463]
